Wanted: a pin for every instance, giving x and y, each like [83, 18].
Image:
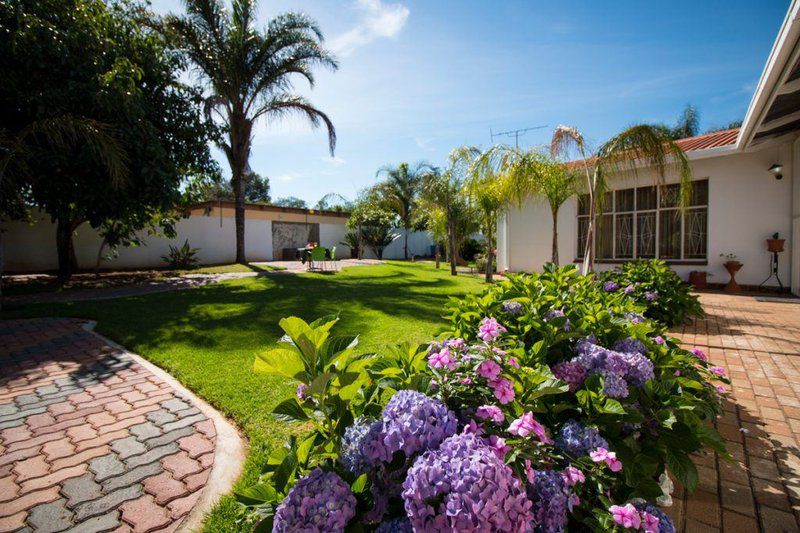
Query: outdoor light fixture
[777, 170]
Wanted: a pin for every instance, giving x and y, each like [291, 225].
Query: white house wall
[746, 206]
[419, 244]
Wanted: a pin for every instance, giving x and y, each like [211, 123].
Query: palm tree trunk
[438, 257]
[405, 243]
[554, 258]
[489, 264]
[451, 235]
[67, 261]
[239, 216]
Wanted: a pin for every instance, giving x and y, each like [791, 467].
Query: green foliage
[471, 248]
[377, 238]
[400, 191]
[182, 258]
[291, 201]
[256, 190]
[672, 302]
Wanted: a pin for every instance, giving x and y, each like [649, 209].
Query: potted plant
[732, 265]
[775, 244]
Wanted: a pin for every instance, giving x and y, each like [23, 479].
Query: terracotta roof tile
[709, 140]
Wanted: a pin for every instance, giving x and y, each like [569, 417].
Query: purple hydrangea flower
[361, 445]
[557, 313]
[513, 308]
[634, 367]
[630, 345]
[464, 486]
[614, 385]
[396, 525]
[578, 440]
[629, 289]
[412, 423]
[665, 524]
[634, 318]
[651, 296]
[320, 501]
[550, 495]
[301, 392]
[571, 372]
[611, 286]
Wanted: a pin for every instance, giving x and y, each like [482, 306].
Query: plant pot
[733, 267]
[697, 279]
[775, 245]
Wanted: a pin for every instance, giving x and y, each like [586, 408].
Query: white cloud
[334, 161]
[378, 20]
[286, 177]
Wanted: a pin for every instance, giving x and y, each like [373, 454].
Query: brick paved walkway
[759, 344]
[90, 440]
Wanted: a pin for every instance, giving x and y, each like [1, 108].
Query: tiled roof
[709, 140]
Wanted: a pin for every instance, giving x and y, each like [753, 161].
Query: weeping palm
[401, 189]
[250, 75]
[640, 146]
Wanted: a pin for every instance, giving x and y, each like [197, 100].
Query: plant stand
[733, 267]
[773, 265]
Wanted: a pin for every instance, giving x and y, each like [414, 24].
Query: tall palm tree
[401, 188]
[250, 73]
[640, 146]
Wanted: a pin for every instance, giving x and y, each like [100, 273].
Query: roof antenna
[514, 133]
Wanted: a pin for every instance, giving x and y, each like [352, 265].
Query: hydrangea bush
[551, 404]
[652, 283]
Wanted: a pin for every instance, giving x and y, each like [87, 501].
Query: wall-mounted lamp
[777, 171]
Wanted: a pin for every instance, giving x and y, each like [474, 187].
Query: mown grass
[208, 337]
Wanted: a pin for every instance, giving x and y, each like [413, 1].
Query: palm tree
[401, 189]
[640, 146]
[250, 75]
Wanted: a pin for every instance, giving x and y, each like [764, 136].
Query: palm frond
[285, 105]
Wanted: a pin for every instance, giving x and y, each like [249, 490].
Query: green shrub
[652, 283]
[471, 248]
[182, 258]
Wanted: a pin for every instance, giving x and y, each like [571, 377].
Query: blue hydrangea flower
[610, 286]
[357, 439]
[512, 308]
[550, 495]
[320, 501]
[634, 318]
[651, 296]
[577, 440]
[634, 367]
[665, 524]
[464, 486]
[630, 345]
[413, 422]
[396, 525]
[557, 313]
[614, 385]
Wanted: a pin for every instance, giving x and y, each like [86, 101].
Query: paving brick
[197, 481]
[774, 520]
[161, 417]
[206, 427]
[13, 522]
[182, 506]
[53, 478]
[27, 501]
[736, 523]
[174, 405]
[183, 422]
[702, 506]
[738, 498]
[172, 436]
[57, 449]
[106, 466]
[145, 431]
[80, 457]
[50, 517]
[8, 488]
[101, 440]
[206, 460]
[107, 502]
[144, 514]
[106, 522]
[164, 488]
[152, 455]
[38, 421]
[80, 489]
[19, 455]
[128, 447]
[771, 494]
[132, 476]
[16, 434]
[181, 465]
[100, 420]
[31, 468]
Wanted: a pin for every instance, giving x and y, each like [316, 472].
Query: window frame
[657, 210]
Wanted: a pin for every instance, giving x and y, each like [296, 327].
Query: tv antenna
[514, 133]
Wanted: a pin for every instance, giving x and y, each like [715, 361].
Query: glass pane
[699, 195]
[670, 195]
[645, 198]
[695, 239]
[646, 235]
[608, 203]
[625, 200]
[669, 234]
[605, 237]
[624, 236]
[583, 226]
[583, 204]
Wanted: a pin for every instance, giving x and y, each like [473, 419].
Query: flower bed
[550, 405]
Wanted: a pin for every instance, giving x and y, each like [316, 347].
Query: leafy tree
[378, 238]
[250, 74]
[688, 123]
[256, 190]
[401, 190]
[640, 146]
[291, 201]
[334, 202]
[729, 126]
[97, 63]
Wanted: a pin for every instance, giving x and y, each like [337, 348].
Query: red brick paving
[759, 345]
[68, 405]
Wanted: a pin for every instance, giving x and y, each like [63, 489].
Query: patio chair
[333, 259]
[317, 259]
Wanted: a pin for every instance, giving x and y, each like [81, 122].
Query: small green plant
[183, 257]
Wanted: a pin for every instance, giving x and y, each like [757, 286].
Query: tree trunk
[555, 237]
[489, 264]
[588, 253]
[238, 191]
[405, 243]
[438, 254]
[67, 262]
[453, 253]
[99, 257]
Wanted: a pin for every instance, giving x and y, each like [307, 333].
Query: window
[647, 222]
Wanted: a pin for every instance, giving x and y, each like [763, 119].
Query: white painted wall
[746, 206]
[333, 235]
[419, 244]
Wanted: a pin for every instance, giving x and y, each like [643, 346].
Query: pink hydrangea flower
[490, 329]
[718, 370]
[474, 428]
[503, 391]
[499, 446]
[650, 523]
[491, 412]
[659, 339]
[572, 476]
[525, 425]
[442, 359]
[677, 373]
[601, 455]
[700, 354]
[489, 369]
[626, 516]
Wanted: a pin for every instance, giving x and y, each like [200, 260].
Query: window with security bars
[647, 222]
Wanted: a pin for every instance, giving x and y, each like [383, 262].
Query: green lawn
[208, 337]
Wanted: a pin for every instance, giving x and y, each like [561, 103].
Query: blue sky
[418, 78]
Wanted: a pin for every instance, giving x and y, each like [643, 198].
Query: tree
[729, 126]
[688, 123]
[370, 222]
[640, 146]
[334, 202]
[291, 201]
[256, 190]
[378, 238]
[97, 63]
[250, 74]
[401, 189]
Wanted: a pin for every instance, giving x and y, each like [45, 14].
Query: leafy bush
[652, 283]
[480, 263]
[471, 248]
[551, 402]
[182, 258]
